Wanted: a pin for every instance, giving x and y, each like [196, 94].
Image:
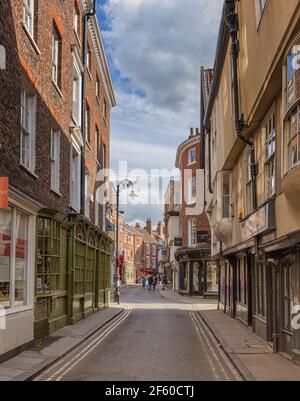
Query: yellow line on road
[67, 367]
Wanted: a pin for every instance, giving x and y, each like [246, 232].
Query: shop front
[17, 269]
[197, 272]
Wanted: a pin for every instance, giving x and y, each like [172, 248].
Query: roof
[222, 46]
[192, 140]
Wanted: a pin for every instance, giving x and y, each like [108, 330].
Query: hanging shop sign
[259, 222]
[3, 192]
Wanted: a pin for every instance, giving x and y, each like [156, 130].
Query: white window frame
[192, 187]
[192, 232]
[97, 89]
[226, 198]
[30, 262]
[76, 92]
[154, 250]
[192, 156]
[75, 177]
[55, 161]
[28, 130]
[28, 16]
[270, 163]
[76, 20]
[56, 43]
[260, 6]
[148, 250]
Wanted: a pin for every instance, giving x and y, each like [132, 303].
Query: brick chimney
[138, 225]
[160, 229]
[191, 132]
[197, 131]
[149, 226]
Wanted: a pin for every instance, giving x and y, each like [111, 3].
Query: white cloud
[157, 47]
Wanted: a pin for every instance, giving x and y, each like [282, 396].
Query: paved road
[157, 339]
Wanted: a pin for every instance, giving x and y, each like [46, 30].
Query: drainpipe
[233, 25]
[86, 19]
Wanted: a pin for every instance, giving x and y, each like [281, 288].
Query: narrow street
[157, 340]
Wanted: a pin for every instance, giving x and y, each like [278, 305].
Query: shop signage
[178, 242]
[3, 192]
[203, 237]
[259, 222]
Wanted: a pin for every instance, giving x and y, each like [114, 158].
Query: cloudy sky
[155, 49]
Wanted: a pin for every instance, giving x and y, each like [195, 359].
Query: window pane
[21, 260]
[5, 257]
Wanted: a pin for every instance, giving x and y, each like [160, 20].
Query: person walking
[154, 283]
[144, 279]
[150, 283]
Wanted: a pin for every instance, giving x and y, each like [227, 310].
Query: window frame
[192, 232]
[226, 197]
[56, 56]
[29, 12]
[192, 156]
[28, 130]
[28, 304]
[55, 160]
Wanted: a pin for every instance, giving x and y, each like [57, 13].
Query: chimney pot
[191, 132]
[197, 131]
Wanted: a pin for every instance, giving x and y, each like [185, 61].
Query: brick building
[197, 272]
[54, 138]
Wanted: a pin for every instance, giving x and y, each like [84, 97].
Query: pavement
[43, 354]
[251, 355]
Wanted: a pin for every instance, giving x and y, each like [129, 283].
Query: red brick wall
[53, 108]
[202, 222]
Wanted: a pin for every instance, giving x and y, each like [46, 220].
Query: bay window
[293, 139]
[14, 254]
[270, 146]
[225, 196]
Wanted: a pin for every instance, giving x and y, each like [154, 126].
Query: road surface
[155, 340]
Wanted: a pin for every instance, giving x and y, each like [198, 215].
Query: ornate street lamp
[124, 185]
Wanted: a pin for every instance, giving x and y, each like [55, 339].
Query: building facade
[55, 129]
[172, 236]
[197, 271]
[252, 130]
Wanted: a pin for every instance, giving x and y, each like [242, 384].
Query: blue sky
[155, 49]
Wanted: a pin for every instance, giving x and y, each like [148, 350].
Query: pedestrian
[144, 279]
[154, 282]
[165, 282]
[150, 282]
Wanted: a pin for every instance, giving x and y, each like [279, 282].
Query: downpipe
[233, 25]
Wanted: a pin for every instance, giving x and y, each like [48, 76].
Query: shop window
[49, 276]
[287, 296]
[212, 279]
[260, 290]
[242, 281]
[13, 258]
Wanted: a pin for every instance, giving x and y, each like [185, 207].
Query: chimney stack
[138, 225]
[197, 131]
[149, 226]
[160, 229]
[191, 132]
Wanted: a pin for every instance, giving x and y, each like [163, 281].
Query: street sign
[203, 237]
[178, 242]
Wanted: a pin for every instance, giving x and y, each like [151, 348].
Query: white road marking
[67, 367]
